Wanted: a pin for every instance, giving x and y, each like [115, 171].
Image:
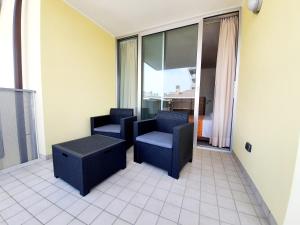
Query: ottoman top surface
[89, 145]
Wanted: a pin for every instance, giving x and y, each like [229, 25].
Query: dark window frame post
[17, 44]
[19, 100]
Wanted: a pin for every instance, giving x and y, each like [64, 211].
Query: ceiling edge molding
[89, 18]
[175, 22]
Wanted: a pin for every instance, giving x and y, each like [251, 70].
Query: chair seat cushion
[157, 138]
[111, 128]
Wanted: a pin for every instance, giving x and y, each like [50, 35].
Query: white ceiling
[121, 17]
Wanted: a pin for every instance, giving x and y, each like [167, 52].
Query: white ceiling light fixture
[255, 5]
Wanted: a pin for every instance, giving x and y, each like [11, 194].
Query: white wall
[292, 214]
[6, 44]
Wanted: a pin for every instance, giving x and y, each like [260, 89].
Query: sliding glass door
[169, 71]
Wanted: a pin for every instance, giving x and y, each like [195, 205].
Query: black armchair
[118, 124]
[165, 142]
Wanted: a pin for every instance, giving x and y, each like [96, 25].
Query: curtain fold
[128, 74]
[224, 82]
[1, 141]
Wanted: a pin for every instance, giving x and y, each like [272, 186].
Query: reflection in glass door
[169, 71]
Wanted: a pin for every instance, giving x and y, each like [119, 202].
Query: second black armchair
[118, 124]
[165, 142]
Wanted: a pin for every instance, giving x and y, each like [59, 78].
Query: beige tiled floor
[210, 191]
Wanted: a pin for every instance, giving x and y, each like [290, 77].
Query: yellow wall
[268, 111]
[78, 75]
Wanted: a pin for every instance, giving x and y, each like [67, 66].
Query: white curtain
[128, 74]
[225, 75]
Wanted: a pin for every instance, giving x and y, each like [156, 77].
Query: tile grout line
[44, 197]
[139, 171]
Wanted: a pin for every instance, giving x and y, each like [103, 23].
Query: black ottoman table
[85, 162]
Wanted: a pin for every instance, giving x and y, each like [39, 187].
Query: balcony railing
[17, 127]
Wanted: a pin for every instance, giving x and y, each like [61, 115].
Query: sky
[166, 81]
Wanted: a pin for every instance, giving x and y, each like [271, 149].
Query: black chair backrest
[116, 114]
[166, 121]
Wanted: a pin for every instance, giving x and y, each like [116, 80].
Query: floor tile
[160, 194]
[92, 196]
[39, 206]
[114, 190]
[163, 221]
[227, 203]
[31, 200]
[104, 186]
[49, 190]
[130, 213]
[174, 199]
[56, 196]
[134, 185]
[263, 221]
[62, 218]
[103, 200]
[211, 190]
[123, 182]
[41, 186]
[121, 222]
[77, 207]
[208, 188]
[229, 216]
[245, 208]
[209, 198]
[11, 211]
[188, 218]
[116, 207]
[178, 189]
[224, 192]
[191, 204]
[146, 189]
[66, 201]
[20, 218]
[166, 185]
[170, 212]
[209, 211]
[48, 214]
[237, 187]
[259, 211]
[249, 220]
[32, 221]
[8, 202]
[3, 196]
[241, 196]
[89, 214]
[139, 200]
[126, 195]
[147, 218]
[192, 193]
[208, 221]
[76, 222]
[153, 205]
[104, 218]
[11, 185]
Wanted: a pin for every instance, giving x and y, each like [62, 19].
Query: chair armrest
[182, 145]
[127, 127]
[143, 127]
[98, 121]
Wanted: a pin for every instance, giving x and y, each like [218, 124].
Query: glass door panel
[180, 69]
[169, 71]
[152, 71]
